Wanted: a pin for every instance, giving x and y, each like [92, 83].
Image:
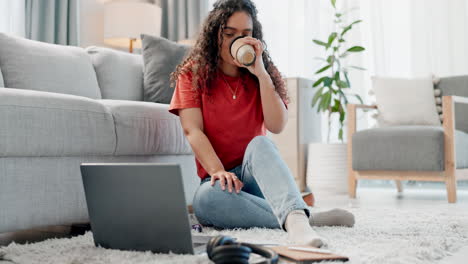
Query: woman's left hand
[258, 67]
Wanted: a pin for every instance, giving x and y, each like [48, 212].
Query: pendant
[234, 97]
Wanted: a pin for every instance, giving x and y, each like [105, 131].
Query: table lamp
[124, 21]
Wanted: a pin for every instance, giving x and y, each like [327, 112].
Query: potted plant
[326, 161]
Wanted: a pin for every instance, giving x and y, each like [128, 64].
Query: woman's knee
[206, 195]
[261, 143]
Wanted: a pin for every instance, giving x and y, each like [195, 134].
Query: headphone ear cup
[217, 241]
[224, 249]
[232, 254]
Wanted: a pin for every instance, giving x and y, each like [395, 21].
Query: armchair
[418, 153]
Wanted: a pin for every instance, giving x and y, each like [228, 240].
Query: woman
[225, 109]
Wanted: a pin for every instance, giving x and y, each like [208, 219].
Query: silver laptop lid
[137, 206]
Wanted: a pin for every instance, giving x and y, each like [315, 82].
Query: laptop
[139, 206]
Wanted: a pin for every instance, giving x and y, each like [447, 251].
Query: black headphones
[223, 249]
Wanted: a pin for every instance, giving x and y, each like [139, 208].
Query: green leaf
[323, 69]
[338, 14]
[342, 115]
[321, 43]
[358, 68]
[355, 22]
[319, 81]
[340, 134]
[331, 38]
[325, 102]
[347, 28]
[341, 40]
[342, 84]
[319, 106]
[359, 98]
[343, 95]
[327, 105]
[333, 2]
[347, 79]
[317, 95]
[330, 59]
[336, 106]
[356, 49]
[328, 82]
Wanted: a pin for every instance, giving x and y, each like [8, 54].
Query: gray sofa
[61, 106]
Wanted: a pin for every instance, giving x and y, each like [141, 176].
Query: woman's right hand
[228, 178]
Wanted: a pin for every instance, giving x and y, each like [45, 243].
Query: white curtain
[418, 37]
[12, 17]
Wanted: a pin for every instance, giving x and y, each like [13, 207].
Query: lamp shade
[126, 20]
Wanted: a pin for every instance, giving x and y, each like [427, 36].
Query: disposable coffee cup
[243, 52]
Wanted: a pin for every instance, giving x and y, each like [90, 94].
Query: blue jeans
[268, 195]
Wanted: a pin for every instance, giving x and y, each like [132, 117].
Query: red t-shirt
[230, 124]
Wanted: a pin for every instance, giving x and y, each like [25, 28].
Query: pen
[310, 250]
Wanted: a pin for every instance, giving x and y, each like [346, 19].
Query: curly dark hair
[202, 60]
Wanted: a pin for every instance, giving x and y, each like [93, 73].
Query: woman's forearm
[204, 151]
[275, 113]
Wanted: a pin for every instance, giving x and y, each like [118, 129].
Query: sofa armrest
[351, 112]
[448, 110]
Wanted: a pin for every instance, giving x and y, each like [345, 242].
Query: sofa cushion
[34, 65]
[120, 74]
[161, 56]
[145, 128]
[50, 124]
[405, 148]
[399, 148]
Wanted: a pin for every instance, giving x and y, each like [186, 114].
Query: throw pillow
[405, 101]
[160, 56]
[119, 74]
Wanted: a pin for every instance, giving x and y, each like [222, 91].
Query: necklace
[233, 92]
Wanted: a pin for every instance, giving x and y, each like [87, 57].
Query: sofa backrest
[34, 65]
[457, 85]
[119, 74]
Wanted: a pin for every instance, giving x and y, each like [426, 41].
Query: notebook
[303, 257]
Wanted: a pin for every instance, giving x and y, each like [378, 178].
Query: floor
[366, 197]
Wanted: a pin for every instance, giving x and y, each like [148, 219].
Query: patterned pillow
[438, 97]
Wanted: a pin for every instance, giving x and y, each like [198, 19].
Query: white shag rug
[411, 235]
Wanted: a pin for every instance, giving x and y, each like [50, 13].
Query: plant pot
[327, 169]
